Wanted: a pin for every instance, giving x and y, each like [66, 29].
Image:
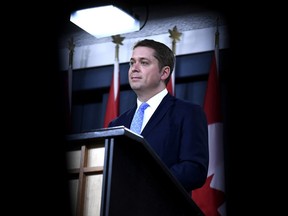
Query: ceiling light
[105, 21]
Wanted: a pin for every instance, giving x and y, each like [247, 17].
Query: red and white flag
[211, 197]
[112, 108]
[171, 83]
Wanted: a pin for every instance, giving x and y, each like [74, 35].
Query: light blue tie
[137, 121]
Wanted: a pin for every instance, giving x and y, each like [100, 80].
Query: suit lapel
[161, 110]
[130, 115]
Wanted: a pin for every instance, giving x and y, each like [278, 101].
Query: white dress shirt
[153, 104]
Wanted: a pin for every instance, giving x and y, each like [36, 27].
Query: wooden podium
[114, 172]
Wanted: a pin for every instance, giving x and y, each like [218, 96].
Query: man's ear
[165, 72]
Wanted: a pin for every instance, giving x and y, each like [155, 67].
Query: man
[176, 129]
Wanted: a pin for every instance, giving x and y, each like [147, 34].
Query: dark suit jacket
[178, 132]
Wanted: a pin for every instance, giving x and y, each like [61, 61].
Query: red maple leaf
[208, 199]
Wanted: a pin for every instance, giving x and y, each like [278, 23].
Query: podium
[114, 171]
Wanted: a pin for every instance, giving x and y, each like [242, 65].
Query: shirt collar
[155, 100]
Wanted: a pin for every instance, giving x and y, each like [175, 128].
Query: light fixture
[105, 21]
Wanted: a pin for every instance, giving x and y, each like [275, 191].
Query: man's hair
[162, 53]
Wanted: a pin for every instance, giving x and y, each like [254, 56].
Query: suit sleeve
[192, 167]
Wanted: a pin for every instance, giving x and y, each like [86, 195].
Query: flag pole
[112, 107]
[175, 35]
[68, 87]
[116, 39]
[216, 45]
[71, 47]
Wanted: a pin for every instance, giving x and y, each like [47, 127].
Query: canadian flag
[171, 83]
[112, 108]
[211, 197]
